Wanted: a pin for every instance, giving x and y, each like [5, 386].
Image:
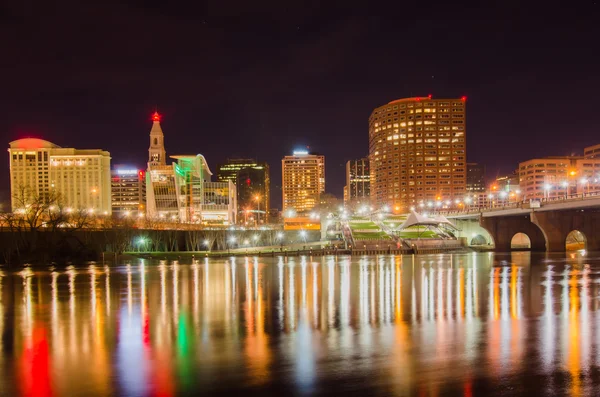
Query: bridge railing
[519, 204]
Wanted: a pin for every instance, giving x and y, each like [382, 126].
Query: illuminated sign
[300, 152]
[127, 172]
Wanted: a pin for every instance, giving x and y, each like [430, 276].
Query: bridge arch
[520, 241]
[504, 228]
[575, 240]
[478, 239]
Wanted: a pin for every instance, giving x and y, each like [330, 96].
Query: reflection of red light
[156, 116]
[35, 365]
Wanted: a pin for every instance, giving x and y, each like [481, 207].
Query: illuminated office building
[228, 171]
[128, 191]
[303, 181]
[358, 182]
[417, 151]
[475, 178]
[555, 177]
[79, 178]
[253, 191]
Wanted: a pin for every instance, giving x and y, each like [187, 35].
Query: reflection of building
[560, 176]
[182, 191]
[475, 178]
[358, 177]
[417, 151]
[128, 191]
[303, 177]
[80, 178]
[253, 189]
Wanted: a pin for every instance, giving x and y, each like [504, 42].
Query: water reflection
[430, 325]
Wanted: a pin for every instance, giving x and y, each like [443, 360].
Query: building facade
[228, 171]
[253, 191]
[182, 191]
[303, 181]
[128, 191]
[417, 151]
[555, 177]
[358, 182]
[475, 178]
[592, 152]
[507, 183]
[79, 179]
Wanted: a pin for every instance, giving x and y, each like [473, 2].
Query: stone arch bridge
[547, 225]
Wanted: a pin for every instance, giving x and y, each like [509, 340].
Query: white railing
[520, 204]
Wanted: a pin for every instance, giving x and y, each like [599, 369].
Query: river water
[433, 325]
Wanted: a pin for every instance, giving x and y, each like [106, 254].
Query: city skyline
[299, 78]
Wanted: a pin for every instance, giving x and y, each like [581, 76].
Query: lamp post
[257, 198]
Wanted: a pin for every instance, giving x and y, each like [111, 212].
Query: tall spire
[156, 152]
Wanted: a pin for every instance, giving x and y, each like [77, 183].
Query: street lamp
[585, 181]
[257, 198]
[303, 235]
[547, 188]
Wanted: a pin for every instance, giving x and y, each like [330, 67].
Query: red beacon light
[156, 116]
[463, 98]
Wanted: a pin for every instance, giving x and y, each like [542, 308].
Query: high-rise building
[417, 151]
[182, 191]
[80, 179]
[128, 194]
[358, 182]
[303, 181]
[253, 191]
[475, 178]
[228, 171]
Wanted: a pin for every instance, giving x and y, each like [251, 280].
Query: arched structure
[575, 241]
[558, 224]
[503, 229]
[520, 241]
[478, 239]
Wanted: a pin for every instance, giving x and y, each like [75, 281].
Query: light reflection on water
[389, 325]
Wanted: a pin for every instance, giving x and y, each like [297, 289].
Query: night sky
[258, 79]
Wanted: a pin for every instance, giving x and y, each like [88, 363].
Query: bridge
[545, 225]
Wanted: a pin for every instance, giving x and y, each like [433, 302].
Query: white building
[80, 178]
[182, 191]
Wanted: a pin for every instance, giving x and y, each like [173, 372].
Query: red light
[156, 116]
[429, 96]
[248, 182]
[418, 99]
[464, 98]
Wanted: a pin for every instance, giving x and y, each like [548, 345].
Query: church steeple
[156, 152]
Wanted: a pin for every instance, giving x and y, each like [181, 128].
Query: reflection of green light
[183, 352]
